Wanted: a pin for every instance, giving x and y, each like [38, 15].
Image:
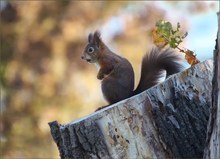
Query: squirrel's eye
[91, 50]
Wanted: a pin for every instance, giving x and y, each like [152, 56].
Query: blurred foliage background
[42, 76]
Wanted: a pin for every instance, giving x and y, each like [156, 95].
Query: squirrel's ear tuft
[97, 34]
[97, 38]
[90, 38]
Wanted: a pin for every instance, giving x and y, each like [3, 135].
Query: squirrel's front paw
[100, 76]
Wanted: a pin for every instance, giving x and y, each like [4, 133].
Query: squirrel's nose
[82, 57]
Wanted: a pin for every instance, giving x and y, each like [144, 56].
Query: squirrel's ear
[97, 39]
[90, 38]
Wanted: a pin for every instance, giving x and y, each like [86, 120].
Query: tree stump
[168, 120]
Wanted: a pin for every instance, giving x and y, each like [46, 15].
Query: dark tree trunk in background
[166, 121]
[212, 150]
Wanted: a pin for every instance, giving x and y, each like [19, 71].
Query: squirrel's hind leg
[99, 108]
[114, 92]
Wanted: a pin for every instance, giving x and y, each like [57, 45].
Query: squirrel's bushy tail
[154, 63]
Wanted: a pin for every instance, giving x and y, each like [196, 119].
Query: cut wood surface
[168, 120]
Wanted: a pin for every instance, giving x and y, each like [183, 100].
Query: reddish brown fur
[117, 74]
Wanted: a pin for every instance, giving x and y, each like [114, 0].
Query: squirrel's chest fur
[118, 68]
[119, 83]
[97, 66]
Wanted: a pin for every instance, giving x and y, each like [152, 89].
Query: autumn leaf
[158, 39]
[190, 56]
[164, 34]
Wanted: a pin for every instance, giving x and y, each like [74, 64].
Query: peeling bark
[181, 114]
[84, 140]
[166, 121]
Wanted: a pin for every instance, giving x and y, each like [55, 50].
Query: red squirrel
[117, 74]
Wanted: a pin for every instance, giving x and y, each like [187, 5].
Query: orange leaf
[191, 57]
[158, 39]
